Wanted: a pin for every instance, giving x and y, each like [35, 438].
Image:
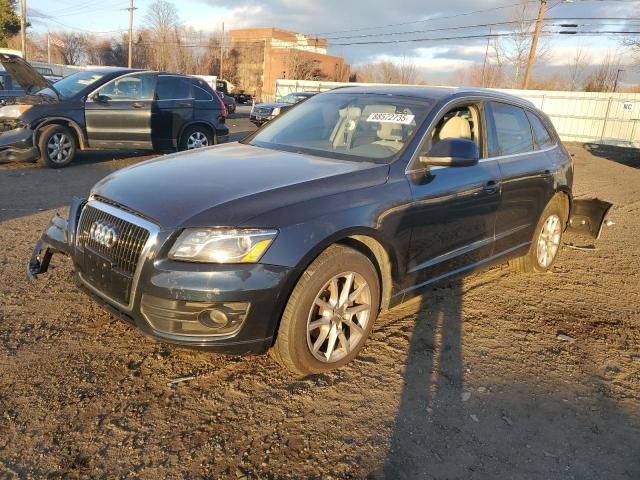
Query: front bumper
[17, 146]
[260, 120]
[165, 290]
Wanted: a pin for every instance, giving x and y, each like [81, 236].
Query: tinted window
[138, 86]
[512, 131]
[173, 88]
[540, 133]
[201, 93]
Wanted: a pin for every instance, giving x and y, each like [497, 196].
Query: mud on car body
[296, 238]
[106, 108]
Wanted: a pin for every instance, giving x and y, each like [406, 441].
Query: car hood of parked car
[274, 105]
[227, 185]
[23, 73]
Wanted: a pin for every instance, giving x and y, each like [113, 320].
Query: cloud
[345, 22]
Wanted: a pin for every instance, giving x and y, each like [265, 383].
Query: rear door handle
[491, 187]
[184, 104]
[137, 105]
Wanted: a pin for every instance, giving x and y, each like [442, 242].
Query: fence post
[606, 117]
[542, 102]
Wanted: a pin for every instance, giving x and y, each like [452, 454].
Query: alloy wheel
[339, 317]
[197, 140]
[59, 148]
[549, 240]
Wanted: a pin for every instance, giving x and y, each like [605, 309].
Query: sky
[345, 22]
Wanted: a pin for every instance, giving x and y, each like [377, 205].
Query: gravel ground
[470, 382]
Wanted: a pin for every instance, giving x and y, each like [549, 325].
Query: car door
[454, 208]
[118, 114]
[527, 174]
[172, 109]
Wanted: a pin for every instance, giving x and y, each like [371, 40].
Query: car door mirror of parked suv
[451, 152]
[98, 98]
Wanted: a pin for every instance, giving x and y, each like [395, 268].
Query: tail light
[222, 106]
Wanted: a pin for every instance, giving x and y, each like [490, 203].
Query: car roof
[434, 93]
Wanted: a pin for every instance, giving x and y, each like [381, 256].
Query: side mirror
[100, 98]
[452, 152]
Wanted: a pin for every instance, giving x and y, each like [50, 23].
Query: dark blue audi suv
[296, 238]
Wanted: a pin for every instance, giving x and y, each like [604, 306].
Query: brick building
[267, 54]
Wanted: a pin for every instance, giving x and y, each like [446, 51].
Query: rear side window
[541, 135]
[172, 87]
[512, 132]
[201, 93]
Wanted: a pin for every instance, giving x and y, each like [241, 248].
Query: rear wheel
[330, 313]
[57, 146]
[196, 136]
[547, 240]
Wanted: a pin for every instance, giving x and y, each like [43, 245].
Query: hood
[23, 73]
[273, 105]
[227, 185]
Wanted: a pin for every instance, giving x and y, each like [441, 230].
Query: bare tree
[603, 78]
[301, 67]
[513, 50]
[162, 21]
[576, 68]
[71, 46]
[387, 71]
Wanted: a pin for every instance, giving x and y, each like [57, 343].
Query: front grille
[262, 111]
[125, 253]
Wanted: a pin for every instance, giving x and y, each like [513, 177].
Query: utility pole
[615, 85]
[131, 9]
[534, 43]
[486, 54]
[48, 48]
[23, 27]
[221, 50]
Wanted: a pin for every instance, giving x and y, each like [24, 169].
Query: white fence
[606, 118]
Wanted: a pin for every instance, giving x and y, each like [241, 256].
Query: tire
[196, 136]
[535, 261]
[57, 145]
[304, 349]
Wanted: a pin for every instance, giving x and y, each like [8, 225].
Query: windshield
[291, 99]
[72, 84]
[362, 127]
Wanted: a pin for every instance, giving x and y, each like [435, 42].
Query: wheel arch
[564, 194]
[194, 123]
[80, 139]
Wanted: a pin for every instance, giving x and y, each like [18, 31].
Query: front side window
[512, 133]
[541, 135]
[350, 126]
[130, 87]
[459, 123]
[172, 87]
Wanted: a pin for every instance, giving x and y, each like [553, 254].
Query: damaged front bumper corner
[56, 238]
[588, 216]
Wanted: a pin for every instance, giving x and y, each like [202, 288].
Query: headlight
[215, 245]
[275, 111]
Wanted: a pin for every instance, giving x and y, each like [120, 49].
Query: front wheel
[57, 146]
[547, 240]
[330, 313]
[196, 137]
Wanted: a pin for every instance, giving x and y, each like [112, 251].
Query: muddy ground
[470, 382]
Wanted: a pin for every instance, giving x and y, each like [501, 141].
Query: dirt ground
[469, 382]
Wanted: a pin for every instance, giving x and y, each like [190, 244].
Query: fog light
[194, 318]
[213, 318]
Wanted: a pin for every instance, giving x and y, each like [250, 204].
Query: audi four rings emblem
[103, 233]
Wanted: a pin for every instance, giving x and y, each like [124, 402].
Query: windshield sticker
[401, 118]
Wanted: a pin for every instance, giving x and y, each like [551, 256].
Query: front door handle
[491, 187]
[184, 104]
[137, 105]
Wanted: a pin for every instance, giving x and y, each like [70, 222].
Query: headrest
[455, 127]
[389, 131]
